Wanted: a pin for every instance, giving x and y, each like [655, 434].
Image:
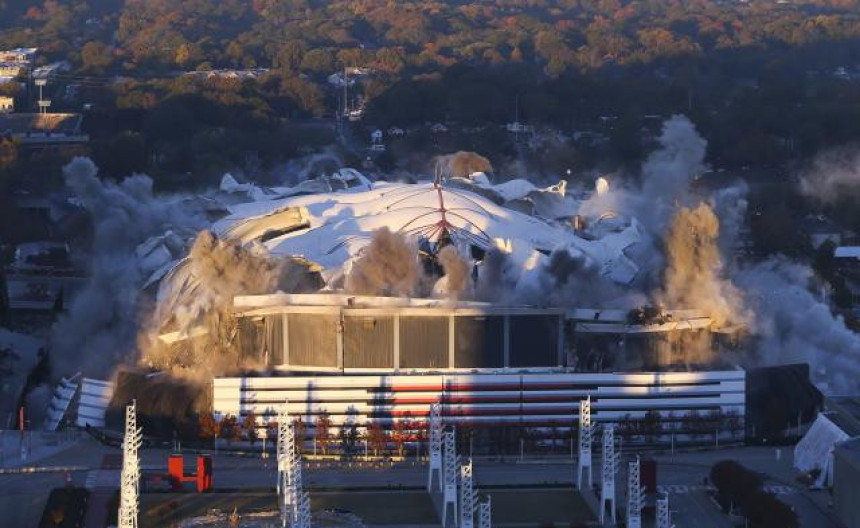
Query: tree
[318, 61]
[321, 431]
[399, 436]
[250, 426]
[376, 438]
[208, 427]
[7, 356]
[733, 422]
[229, 428]
[693, 424]
[300, 429]
[652, 426]
[8, 152]
[290, 54]
[96, 56]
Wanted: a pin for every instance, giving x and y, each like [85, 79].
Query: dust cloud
[388, 266]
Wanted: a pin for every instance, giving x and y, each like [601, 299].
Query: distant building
[44, 129]
[846, 482]
[11, 69]
[18, 55]
[48, 71]
[7, 105]
[241, 75]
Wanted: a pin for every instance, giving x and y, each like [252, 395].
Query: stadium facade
[363, 360]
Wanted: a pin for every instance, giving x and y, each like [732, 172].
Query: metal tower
[435, 446]
[449, 471]
[585, 433]
[130, 479]
[467, 496]
[485, 514]
[634, 496]
[663, 518]
[610, 467]
[294, 502]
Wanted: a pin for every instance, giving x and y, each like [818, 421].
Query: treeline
[314, 35]
[757, 78]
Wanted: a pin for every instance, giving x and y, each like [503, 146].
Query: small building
[18, 55]
[11, 69]
[7, 104]
[846, 482]
[44, 129]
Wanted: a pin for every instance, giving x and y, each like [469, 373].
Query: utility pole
[43, 103]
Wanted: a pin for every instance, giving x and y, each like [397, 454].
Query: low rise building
[44, 129]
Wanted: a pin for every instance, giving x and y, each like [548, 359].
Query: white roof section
[847, 252]
[95, 398]
[330, 229]
[64, 393]
[815, 449]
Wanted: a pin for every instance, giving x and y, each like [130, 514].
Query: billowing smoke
[833, 176]
[567, 279]
[664, 181]
[101, 325]
[456, 283]
[388, 266]
[497, 277]
[667, 172]
[220, 270]
[796, 326]
[462, 164]
[694, 268]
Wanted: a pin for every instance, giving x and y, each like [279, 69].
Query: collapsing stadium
[344, 278]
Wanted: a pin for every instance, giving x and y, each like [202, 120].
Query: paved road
[681, 475]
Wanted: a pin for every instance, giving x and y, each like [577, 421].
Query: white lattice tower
[467, 496]
[435, 446]
[609, 468]
[585, 433]
[663, 518]
[294, 502]
[282, 452]
[635, 494]
[485, 511]
[304, 511]
[449, 474]
[130, 477]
